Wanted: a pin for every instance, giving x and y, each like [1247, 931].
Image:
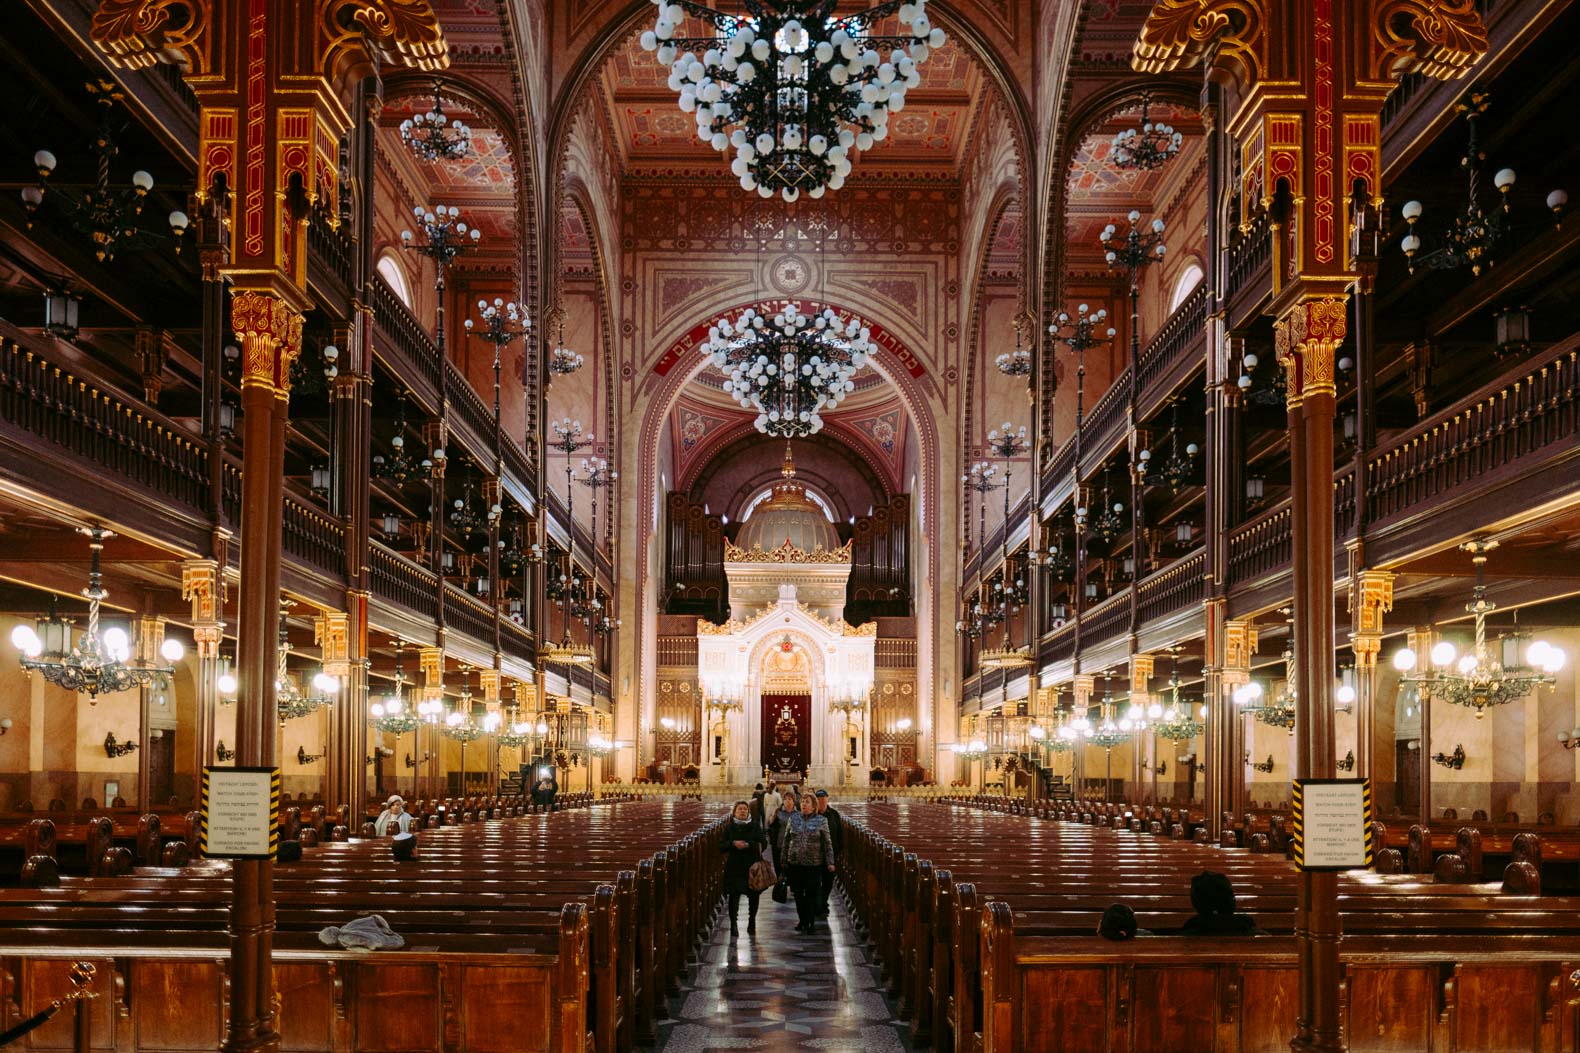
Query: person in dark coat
[836, 834]
[1212, 896]
[742, 843]
[1119, 924]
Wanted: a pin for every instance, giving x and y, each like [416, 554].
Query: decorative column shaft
[202, 585]
[1371, 596]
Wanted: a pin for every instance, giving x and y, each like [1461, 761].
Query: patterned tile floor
[781, 991]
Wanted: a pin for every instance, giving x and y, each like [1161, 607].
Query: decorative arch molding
[1072, 129]
[739, 439]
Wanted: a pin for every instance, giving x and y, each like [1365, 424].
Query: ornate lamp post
[441, 236]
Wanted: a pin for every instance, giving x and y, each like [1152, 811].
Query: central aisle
[781, 991]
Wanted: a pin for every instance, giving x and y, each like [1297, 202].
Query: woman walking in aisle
[742, 843]
[808, 852]
[778, 823]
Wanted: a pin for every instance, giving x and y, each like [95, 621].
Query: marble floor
[781, 991]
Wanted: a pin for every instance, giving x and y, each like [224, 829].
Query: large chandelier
[1481, 678]
[295, 698]
[432, 136]
[1176, 722]
[1151, 146]
[97, 663]
[789, 366]
[394, 716]
[790, 87]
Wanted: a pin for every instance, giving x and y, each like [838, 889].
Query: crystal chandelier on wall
[791, 87]
[788, 366]
[1488, 675]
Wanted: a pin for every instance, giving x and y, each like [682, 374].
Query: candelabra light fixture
[1008, 441]
[1153, 145]
[1179, 467]
[1016, 363]
[1110, 521]
[1346, 762]
[1482, 677]
[401, 466]
[304, 758]
[1175, 722]
[1261, 766]
[111, 216]
[1471, 238]
[788, 366]
[1453, 761]
[96, 662]
[293, 698]
[112, 748]
[225, 755]
[789, 86]
[563, 361]
[433, 136]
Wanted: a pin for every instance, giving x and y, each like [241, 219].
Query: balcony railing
[468, 614]
[1106, 422]
[403, 583]
[1185, 328]
[1107, 620]
[1533, 411]
[128, 443]
[469, 412]
[1260, 546]
[1174, 588]
[410, 340]
[314, 538]
[1248, 254]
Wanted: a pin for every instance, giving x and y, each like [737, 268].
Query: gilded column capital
[431, 662]
[332, 632]
[1141, 666]
[1085, 684]
[1306, 340]
[1371, 596]
[204, 587]
[270, 332]
[1239, 646]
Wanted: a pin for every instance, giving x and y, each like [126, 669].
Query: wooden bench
[500, 887]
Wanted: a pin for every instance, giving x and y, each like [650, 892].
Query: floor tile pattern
[780, 991]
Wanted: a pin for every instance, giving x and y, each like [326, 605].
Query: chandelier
[1180, 466]
[393, 716]
[432, 136]
[791, 88]
[465, 519]
[98, 663]
[400, 467]
[110, 216]
[562, 360]
[1110, 522]
[788, 366]
[1476, 229]
[1154, 145]
[1480, 678]
[1275, 713]
[1015, 363]
[1176, 722]
[292, 700]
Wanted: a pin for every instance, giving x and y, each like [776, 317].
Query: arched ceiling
[482, 184]
[829, 464]
[1097, 193]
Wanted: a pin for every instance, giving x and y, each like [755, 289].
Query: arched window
[1185, 284]
[816, 499]
[389, 269]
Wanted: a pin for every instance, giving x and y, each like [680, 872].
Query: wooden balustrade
[330, 247]
[1249, 252]
[469, 415]
[1489, 432]
[1260, 546]
[468, 614]
[1106, 620]
[1105, 423]
[1178, 338]
[400, 581]
[314, 537]
[136, 445]
[1173, 588]
[406, 336]
[891, 652]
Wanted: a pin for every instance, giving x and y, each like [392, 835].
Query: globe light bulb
[325, 683]
[26, 640]
[226, 683]
[1443, 653]
[1345, 694]
[116, 643]
[1404, 659]
[172, 650]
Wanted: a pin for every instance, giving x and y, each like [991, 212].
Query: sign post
[239, 813]
[1333, 824]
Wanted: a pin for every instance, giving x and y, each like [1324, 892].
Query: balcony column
[1217, 728]
[431, 662]
[1371, 596]
[203, 585]
[1226, 747]
[435, 435]
[1420, 640]
[496, 591]
[1141, 666]
[1083, 687]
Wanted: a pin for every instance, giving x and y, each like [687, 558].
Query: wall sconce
[304, 758]
[1263, 766]
[222, 753]
[61, 310]
[1455, 760]
[1512, 327]
[1159, 768]
[1346, 762]
[116, 749]
[1569, 740]
[380, 751]
[5, 725]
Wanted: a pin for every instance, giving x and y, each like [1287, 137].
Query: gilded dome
[788, 515]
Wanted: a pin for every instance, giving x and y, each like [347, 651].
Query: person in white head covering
[394, 819]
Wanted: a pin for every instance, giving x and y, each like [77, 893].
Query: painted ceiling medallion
[790, 86]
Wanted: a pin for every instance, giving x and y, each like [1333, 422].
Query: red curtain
[787, 732]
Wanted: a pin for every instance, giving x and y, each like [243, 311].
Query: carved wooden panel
[1268, 1003]
[177, 1004]
[308, 997]
[1391, 1008]
[497, 1001]
[395, 1010]
[1184, 1010]
[1062, 1011]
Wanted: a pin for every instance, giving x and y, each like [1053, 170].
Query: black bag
[781, 892]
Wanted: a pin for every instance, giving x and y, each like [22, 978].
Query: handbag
[761, 876]
[781, 893]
